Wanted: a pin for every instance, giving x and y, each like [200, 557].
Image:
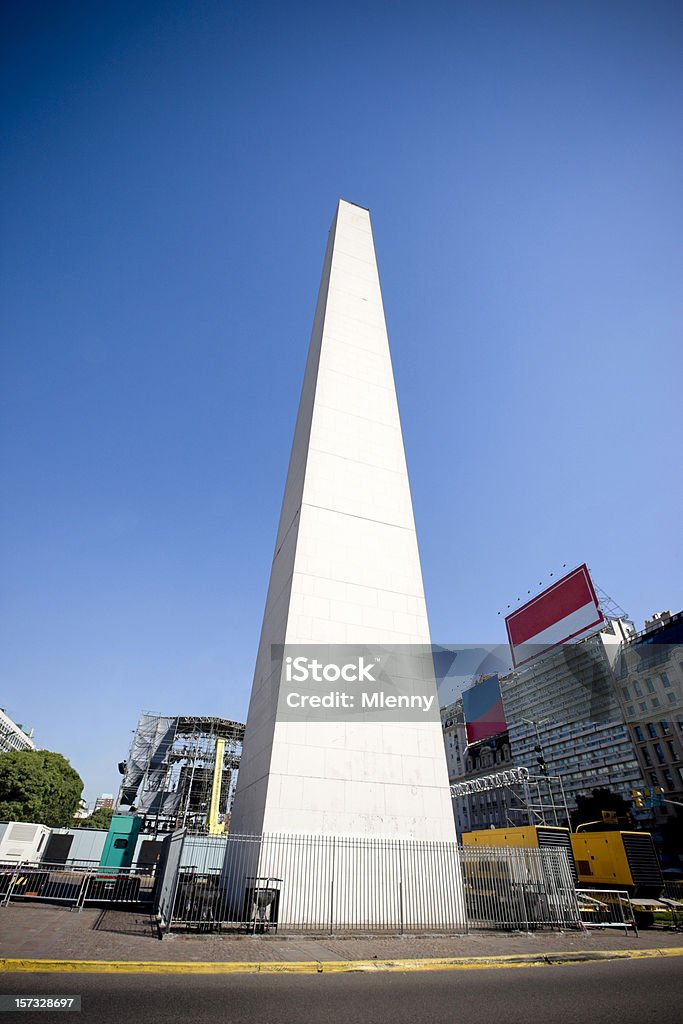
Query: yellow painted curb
[328, 966]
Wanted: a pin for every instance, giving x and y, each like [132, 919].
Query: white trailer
[22, 842]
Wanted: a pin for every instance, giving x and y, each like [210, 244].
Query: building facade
[14, 736]
[490, 808]
[603, 713]
[563, 713]
[650, 691]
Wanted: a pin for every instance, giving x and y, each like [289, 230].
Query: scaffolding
[181, 772]
[538, 798]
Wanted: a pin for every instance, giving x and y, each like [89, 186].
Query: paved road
[618, 992]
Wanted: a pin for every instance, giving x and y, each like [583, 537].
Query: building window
[664, 726]
[630, 710]
[650, 686]
[646, 757]
[660, 753]
[651, 731]
[668, 778]
[655, 702]
[665, 679]
[637, 690]
[671, 697]
[672, 752]
[627, 695]
[643, 706]
[639, 734]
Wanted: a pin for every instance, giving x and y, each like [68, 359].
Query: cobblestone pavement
[57, 933]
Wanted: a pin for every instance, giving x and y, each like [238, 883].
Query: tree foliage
[590, 808]
[38, 786]
[101, 818]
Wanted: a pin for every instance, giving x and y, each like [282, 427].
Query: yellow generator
[599, 860]
[618, 860]
[524, 836]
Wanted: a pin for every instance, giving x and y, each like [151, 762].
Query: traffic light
[637, 795]
[540, 760]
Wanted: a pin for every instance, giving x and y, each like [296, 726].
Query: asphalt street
[619, 991]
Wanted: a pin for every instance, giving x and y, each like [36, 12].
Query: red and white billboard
[562, 612]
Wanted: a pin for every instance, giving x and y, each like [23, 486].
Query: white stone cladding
[346, 569]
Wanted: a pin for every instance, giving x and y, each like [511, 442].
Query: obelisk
[346, 570]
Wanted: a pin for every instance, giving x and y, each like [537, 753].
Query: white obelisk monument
[346, 570]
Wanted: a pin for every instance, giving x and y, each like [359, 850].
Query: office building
[13, 735]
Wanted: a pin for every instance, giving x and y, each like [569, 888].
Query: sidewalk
[51, 933]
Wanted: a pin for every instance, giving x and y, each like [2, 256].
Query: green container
[119, 846]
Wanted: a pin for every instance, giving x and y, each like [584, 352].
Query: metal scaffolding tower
[181, 772]
[538, 798]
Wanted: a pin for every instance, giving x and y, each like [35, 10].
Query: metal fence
[76, 885]
[315, 883]
[327, 884]
[342, 884]
[606, 908]
[673, 890]
[519, 888]
[168, 874]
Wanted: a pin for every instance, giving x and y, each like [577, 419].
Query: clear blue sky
[170, 174]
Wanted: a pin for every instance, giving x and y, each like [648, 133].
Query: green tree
[38, 786]
[101, 818]
[590, 808]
